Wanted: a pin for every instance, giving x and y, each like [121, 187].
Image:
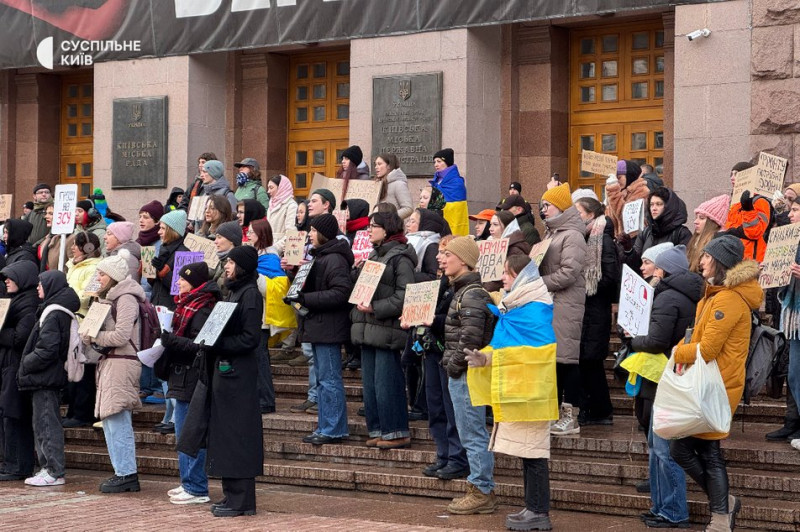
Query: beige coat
[281, 220]
[118, 378]
[397, 193]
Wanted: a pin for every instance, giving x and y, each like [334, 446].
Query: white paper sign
[633, 216]
[64, 203]
[635, 303]
[164, 318]
[149, 357]
[215, 323]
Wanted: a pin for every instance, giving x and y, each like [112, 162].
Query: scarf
[283, 193]
[241, 178]
[437, 201]
[357, 224]
[790, 310]
[399, 237]
[593, 270]
[148, 237]
[188, 305]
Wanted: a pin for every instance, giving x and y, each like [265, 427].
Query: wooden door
[77, 132]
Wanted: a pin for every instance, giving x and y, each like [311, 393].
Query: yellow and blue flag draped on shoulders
[451, 185]
[276, 312]
[520, 383]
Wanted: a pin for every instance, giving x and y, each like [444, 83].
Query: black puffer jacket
[469, 323]
[381, 327]
[17, 246]
[528, 228]
[666, 228]
[42, 365]
[325, 295]
[163, 281]
[596, 332]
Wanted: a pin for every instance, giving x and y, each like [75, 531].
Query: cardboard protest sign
[635, 303]
[93, 286]
[197, 208]
[215, 323]
[538, 251]
[744, 180]
[204, 246]
[341, 219]
[94, 319]
[367, 283]
[598, 163]
[770, 171]
[362, 247]
[5, 206]
[492, 258]
[366, 189]
[779, 257]
[294, 247]
[633, 216]
[148, 254]
[4, 305]
[299, 280]
[419, 304]
[182, 258]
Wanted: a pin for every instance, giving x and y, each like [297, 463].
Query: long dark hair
[263, 232]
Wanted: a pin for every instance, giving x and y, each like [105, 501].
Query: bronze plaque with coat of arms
[407, 120]
[140, 143]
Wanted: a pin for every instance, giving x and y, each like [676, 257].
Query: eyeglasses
[545, 205]
[373, 226]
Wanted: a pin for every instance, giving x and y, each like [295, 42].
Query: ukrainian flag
[520, 383]
[276, 312]
[452, 187]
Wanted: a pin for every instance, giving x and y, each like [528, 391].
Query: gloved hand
[625, 241]
[157, 263]
[746, 201]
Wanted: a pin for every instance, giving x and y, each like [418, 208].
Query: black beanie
[354, 153]
[41, 186]
[195, 273]
[85, 204]
[447, 155]
[326, 225]
[327, 195]
[245, 257]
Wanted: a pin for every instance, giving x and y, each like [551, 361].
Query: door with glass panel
[77, 132]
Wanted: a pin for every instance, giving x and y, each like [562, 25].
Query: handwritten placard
[299, 280]
[779, 256]
[341, 219]
[492, 259]
[204, 246]
[197, 208]
[744, 180]
[367, 283]
[362, 247]
[368, 190]
[635, 303]
[419, 304]
[633, 216]
[539, 250]
[5, 206]
[148, 254]
[182, 258]
[215, 323]
[598, 163]
[294, 247]
[94, 319]
[93, 286]
[4, 305]
[770, 171]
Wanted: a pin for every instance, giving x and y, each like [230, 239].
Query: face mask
[241, 178]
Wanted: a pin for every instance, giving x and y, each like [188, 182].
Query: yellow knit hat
[559, 196]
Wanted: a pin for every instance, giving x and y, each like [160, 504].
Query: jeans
[312, 372]
[384, 393]
[192, 470]
[118, 430]
[702, 460]
[48, 432]
[332, 416]
[794, 368]
[441, 419]
[169, 404]
[266, 390]
[471, 423]
[536, 479]
[667, 481]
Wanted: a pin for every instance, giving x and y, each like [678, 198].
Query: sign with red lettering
[294, 248]
[64, 202]
[635, 303]
[367, 283]
[492, 258]
[419, 304]
[362, 247]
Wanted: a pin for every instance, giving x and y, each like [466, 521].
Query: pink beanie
[715, 209]
[122, 230]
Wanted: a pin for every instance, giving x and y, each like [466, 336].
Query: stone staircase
[594, 472]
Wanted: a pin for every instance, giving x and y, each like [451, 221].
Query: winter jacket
[99, 228]
[596, 329]
[78, 276]
[618, 197]
[48, 252]
[722, 330]
[252, 190]
[426, 247]
[397, 193]
[528, 229]
[666, 228]
[42, 364]
[235, 435]
[172, 201]
[38, 222]
[118, 372]
[381, 327]
[17, 246]
[469, 323]
[750, 227]
[325, 295]
[163, 281]
[282, 219]
[653, 181]
[135, 260]
[562, 273]
[221, 187]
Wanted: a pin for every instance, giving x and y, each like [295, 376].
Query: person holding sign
[449, 182]
[625, 187]
[505, 225]
[789, 297]
[749, 218]
[357, 217]
[722, 332]
[119, 236]
[229, 236]
[172, 227]
[709, 218]
[666, 216]
[562, 273]
[41, 372]
[376, 328]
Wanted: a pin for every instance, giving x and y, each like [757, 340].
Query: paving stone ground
[80, 506]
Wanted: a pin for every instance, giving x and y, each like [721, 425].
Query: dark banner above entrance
[78, 33]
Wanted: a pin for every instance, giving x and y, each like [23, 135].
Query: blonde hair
[694, 249]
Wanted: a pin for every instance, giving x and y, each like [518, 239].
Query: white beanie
[583, 193]
[116, 266]
[653, 252]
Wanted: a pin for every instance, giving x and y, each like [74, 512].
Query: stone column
[669, 96]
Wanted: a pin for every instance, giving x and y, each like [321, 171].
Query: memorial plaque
[407, 120]
[140, 143]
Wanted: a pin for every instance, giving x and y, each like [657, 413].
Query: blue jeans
[441, 419]
[193, 470]
[332, 417]
[471, 423]
[667, 481]
[312, 372]
[169, 404]
[118, 430]
[794, 368]
[384, 393]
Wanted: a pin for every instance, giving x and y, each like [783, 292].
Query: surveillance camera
[705, 32]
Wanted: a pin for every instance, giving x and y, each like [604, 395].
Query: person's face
[424, 198]
[240, 214]
[245, 169]
[26, 210]
[211, 213]
[11, 286]
[316, 206]
[161, 230]
[508, 278]
[301, 212]
[707, 266]
[222, 244]
[313, 235]
[79, 215]
[516, 211]
[205, 176]
[647, 268]
[183, 286]
[272, 189]
[699, 223]
[794, 213]
[495, 227]
[480, 225]
[77, 252]
[146, 221]
[789, 194]
[585, 215]
[377, 234]
[452, 264]
[252, 237]
[345, 163]
[549, 210]
[103, 279]
[48, 216]
[230, 269]
[733, 177]
[200, 163]
[440, 258]
[656, 207]
[42, 196]
[381, 168]
[179, 198]
[439, 164]
[513, 192]
[412, 223]
[111, 241]
[40, 291]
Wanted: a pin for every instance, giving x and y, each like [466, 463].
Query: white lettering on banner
[199, 8]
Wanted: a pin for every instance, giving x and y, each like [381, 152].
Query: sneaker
[43, 479]
[431, 469]
[474, 502]
[313, 409]
[567, 422]
[452, 471]
[188, 498]
[283, 356]
[174, 492]
[796, 444]
[302, 407]
[660, 522]
[299, 360]
[98, 425]
[154, 400]
[779, 435]
[120, 484]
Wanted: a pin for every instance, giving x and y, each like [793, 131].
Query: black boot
[120, 484]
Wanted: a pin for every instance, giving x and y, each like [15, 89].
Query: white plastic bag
[692, 403]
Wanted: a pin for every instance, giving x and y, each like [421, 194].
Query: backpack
[75, 356]
[150, 330]
[767, 352]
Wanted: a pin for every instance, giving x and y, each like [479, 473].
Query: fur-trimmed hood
[742, 279]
